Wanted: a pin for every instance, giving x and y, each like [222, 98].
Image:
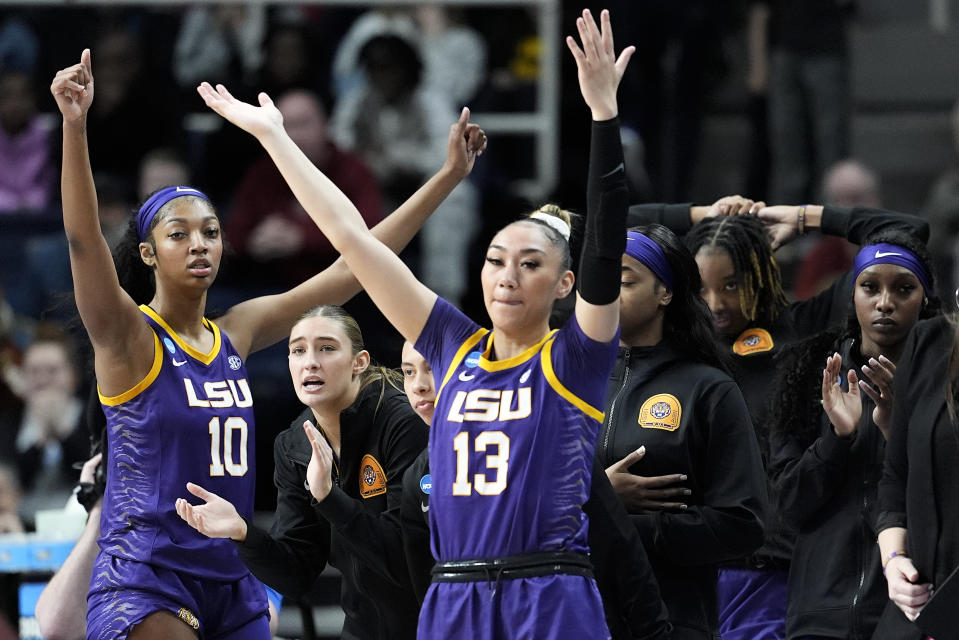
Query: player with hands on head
[827, 456]
[486, 503]
[174, 388]
[339, 470]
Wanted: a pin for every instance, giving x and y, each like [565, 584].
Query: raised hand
[319, 473]
[466, 143]
[598, 68]
[734, 206]
[258, 121]
[880, 373]
[655, 493]
[844, 408]
[217, 518]
[781, 223]
[72, 88]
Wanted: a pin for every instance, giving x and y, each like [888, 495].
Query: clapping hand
[319, 473]
[844, 408]
[217, 518]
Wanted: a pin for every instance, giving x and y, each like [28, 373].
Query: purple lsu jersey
[512, 441]
[189, 420]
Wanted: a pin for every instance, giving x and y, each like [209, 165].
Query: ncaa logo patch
[753, 341]
[235, 362]
[169, 345]
[372, 479]
[661, 411]
[472, 360]
[426, 484]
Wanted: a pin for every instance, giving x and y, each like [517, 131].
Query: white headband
[558, 224]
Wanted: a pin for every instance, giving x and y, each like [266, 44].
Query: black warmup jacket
[692, 419]
[753, 355]
[827, 489]
[356, 528]
[911, 492]
[634, 608]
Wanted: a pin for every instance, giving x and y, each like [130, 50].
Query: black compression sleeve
[607, 201]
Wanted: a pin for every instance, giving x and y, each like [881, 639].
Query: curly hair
[799, 384]
[761, 294]
[687, 322]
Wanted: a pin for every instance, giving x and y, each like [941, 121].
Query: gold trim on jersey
[499, 365]
[205, 358]
[126, 396]
[558, 387]
[464, 349]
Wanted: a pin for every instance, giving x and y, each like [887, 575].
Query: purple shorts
[124, 592]
[752, 604]
[552, 607]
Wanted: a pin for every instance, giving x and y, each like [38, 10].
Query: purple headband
[885, 253]
[645, 250]
[155, 203]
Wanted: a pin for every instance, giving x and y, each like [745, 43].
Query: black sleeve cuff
[255, 537]
[337, 508]
[832, 448]
[835, 220]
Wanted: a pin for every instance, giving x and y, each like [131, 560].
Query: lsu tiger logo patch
[661, 411]
[753, 341]
[372, 478]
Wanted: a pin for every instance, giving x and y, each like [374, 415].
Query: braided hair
[761, 294]
[799, 386]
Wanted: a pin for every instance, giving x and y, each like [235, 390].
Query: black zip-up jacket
[381, 436]
[692, 420]
[755, 369]
[828, 492]
[634, 608]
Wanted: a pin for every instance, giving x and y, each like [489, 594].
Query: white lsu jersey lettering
[490, 405]
[219, 394]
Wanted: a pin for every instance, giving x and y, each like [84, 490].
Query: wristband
[802, 219]
[892, 555]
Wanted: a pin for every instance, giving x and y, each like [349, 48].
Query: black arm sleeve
[607, 200]
[376, 538]
[674, 217]
[858, 223]
[634, 607]
[291, 556]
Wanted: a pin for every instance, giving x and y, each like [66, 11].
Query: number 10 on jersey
[220, 466]
[497, 461]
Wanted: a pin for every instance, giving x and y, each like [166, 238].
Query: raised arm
[599, 72]
[404, 300]
[262, 321]
[109, 315]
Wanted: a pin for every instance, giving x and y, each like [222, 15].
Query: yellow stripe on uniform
[112, 401]
[205, 358]
[558, 387]
[499, 365]
[458, 357]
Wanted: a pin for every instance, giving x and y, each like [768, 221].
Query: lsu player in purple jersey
[174, 388]
[516, 414]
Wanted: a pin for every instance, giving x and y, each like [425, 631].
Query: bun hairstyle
[557, 224]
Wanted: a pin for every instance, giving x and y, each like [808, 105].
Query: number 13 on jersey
[497, 460]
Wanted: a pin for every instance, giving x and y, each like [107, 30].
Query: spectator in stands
[219, 43]
[160, 167]
[454, 55]
[291, 60]
[48, 435]
[848, 183]
[809, 102]
[26, 142]
[124, 102]
[942, 211]
[268, 228]
[396, 124]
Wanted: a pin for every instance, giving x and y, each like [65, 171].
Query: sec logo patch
[372, 478]
[753, 341]
[661, 411]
